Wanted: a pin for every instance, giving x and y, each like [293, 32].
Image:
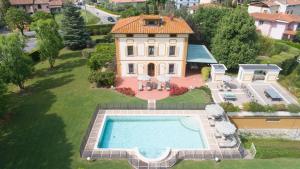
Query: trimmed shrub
[102, 79]
[126, 90]
[205, 71]
[253, 107]
[99, 29]
[176, 91]
[102, 57]
[293, 108]
[229, 107]
[289, 65]
[269, 108]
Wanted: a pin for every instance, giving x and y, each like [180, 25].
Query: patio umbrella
[163, 78]
[143, 77]
[214, 110]
[226, 128]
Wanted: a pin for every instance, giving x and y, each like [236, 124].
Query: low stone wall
[261, 120]
[291, 134]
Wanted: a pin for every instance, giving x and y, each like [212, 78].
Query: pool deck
[213, 150]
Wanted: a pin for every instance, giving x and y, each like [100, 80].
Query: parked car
[111, 19]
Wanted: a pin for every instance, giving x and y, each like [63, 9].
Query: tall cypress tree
[74, 32]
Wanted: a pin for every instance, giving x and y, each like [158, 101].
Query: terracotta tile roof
[293, 2]
[55, 3]
[127, 1]
[276, 17]
[270, 3]
[20, 2]
[136, 24]
[41, 1]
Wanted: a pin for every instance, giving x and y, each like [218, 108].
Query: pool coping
[213, 150]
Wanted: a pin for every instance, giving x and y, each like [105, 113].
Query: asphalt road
[100, 14]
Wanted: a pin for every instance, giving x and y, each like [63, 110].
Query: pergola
[247, 72]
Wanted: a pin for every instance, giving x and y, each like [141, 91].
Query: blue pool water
[152, 135]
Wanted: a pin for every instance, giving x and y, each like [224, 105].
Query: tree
[4, 5]
[39, 15]
[74, 32]
[236, 39]
[15, 67]
[17, 18]
[49, 40]
[102, 57]
[205, 22]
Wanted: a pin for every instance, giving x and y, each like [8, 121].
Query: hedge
[205, 71]
[99, 29]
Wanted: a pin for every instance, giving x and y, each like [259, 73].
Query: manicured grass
[274, 148]
[51, 117]
[292, 82]
[280, 163]
[196, 96]
[90, 19]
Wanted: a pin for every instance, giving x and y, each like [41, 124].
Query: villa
[275, 6]
[155, 45]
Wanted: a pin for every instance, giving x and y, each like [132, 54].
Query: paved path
[100, 14]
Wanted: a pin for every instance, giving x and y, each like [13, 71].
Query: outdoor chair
[167, 86]
[148, 86]
[140, 86]
[228, 143]
[159, 88]
[217, 134]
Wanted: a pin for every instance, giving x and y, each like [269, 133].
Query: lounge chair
[211, 122]
[229, 143]
[140, 86]
[217, 134]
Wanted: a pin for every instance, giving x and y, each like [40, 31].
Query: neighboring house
[277, 25]
[275, 6]
[186, 3]
[31, 6]
[127, 1]
[155, 45]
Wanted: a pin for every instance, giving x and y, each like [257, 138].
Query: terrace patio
[190, 81]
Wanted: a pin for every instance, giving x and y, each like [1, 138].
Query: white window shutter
[134, 68]
[176, 50]
[156, 50]
[135, 50]
[175, 68]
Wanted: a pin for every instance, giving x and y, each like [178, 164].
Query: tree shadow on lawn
[61, 68]
[35, 138]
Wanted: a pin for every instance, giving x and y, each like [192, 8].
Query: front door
[151, 69]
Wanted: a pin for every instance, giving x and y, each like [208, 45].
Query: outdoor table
[271, 93]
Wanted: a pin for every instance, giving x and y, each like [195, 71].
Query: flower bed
[176, 91]
[126, 90]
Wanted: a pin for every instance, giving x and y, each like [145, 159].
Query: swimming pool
[151, 135]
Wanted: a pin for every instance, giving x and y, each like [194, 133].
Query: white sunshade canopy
[214, 110]
[226, 78]
[226, 128]
[163, 78]
[143, 77]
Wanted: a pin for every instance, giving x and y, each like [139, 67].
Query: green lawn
[280, 163]
[292, 82]
[51, 117]
[90, 19]
[198, 96]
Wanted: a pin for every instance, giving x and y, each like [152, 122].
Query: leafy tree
[15, 67]
[3, 89]
[205, 23]
[102, 57]
[49, 40]
[4, 5]
[17, 18]
[236, 39]
[74, 32]
[39, 15]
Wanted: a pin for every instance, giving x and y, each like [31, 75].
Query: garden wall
[278, 120]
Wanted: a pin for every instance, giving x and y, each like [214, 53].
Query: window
[260, 22]
[151, 50]
[151, 35]
[39, 6]
[171, 68]
[173, 35]
[130, 68]
[172, 50]
[292, 12]
[129, 50]
[129, 35]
